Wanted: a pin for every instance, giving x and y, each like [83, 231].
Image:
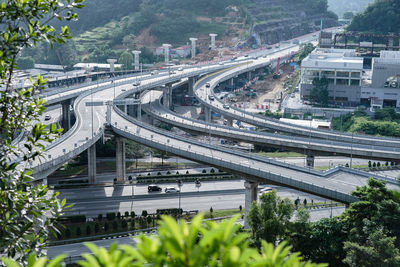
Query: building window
[327, 73]
[342, 82]
[341, 98]
[355, 82]
[355, 74]
[342, 74]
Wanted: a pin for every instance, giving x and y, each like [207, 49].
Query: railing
[224, 164]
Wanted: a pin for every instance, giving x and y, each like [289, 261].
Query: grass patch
[222, 213]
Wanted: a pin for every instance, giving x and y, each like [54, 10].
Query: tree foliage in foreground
[197, 244]
[26, 210]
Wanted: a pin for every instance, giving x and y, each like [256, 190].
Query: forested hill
[342, 6]
[106, 29]
[382, 16]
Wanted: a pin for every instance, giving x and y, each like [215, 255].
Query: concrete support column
[66, 115]
[166, 97]
[136, 54]
[131, 111]
[250, 195]
[111, 61]
[166, 52]
[191, 81]
[170, 95]
[92, 164]
[249, 76]
[310, 161]
[193, 40]
[213, 35]
[207, 114]
[230, 121]
[139, 112]
[120, 159]
[231, 82]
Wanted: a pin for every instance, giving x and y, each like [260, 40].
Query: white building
[342, 69]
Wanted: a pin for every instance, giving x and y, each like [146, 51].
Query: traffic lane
[77, 249]
[199, 202]
[142, 189]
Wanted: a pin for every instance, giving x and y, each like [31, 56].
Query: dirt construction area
[270, 89]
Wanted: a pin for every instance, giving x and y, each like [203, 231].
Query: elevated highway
[95, 110]
[299, 144]
[202, 92]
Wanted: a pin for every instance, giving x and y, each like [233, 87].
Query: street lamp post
[132, 182]
[180, 184]
[351, 152]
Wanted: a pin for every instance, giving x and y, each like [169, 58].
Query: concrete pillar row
[249, 197]
[193, 40]
[136, 54]
[120, 159]
[66, 115]
[92, 164]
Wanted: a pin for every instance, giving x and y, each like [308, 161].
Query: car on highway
[171, 189]
[221, 63]
[180, 69]
[47, 117]
[265, 190]
[208, 85]
[154, 188]
[211, 97]
[225, 106]
[136, 83]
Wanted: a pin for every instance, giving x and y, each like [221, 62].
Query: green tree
[348, 15]
[379, 250]
[319, 92]
[25, 63]
[270, 219]
[126, 59]
[27, 211]
[197, 244]
[305, 50]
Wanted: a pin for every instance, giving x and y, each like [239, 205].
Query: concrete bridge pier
[229, 121]
[120, 159]
[167, 96]
[139, 112]
[207, 114]
[192, 81]
[250, 196]
[131, 110]
[249, 75]
[92, 164]
[66, 115]
[231, 81]
[310, 160]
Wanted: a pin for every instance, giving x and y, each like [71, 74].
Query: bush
[133, 214]
[119, 215]
[96, 228]
[347, 165]
[158, 173]
[124, 224]
[204, 171]
[378, 164]
[88, 230]
[149, 220]
[374, 164]
[110, 216]
[240, 208]
[172, 211]
[369, 164]
[187, 172]
[100, 217]
[212, 170]
[392, 163]
[115, 225]
[177, 172]
[126, 214]
[132, 223]
[72, 218]
[78, 231]
[148, 174]
[168, 172]
[386, 163]
[144, 213]
[106, 227]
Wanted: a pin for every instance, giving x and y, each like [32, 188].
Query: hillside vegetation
[380, 17]
[340, 7]
[106, 29]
